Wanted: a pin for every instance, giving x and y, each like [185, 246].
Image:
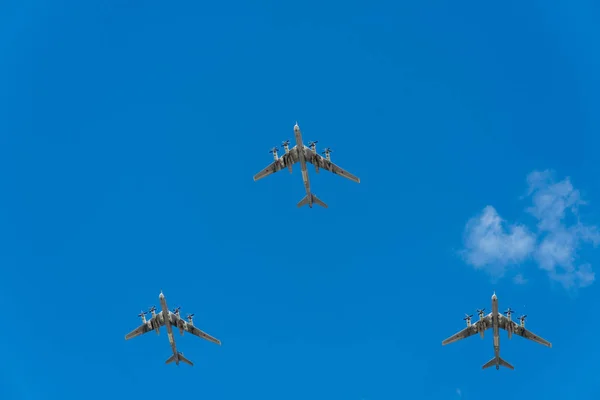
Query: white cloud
[519, 279]
[491, 244]
[494, 245]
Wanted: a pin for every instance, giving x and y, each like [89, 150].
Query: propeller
[286, 143]
[312, 143]
[141, 314]
[189, 317]
[467, 317]
[152, 309]
[480, 311]
[509, 311]
[273, 150]
[522, 318]
[327, 150]
[176, 310]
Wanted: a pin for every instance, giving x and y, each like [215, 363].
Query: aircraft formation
[300, 153]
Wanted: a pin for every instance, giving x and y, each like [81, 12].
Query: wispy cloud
[495, 245]
[519, 279]
[459, 392]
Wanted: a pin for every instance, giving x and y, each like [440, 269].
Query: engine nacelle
[154, 324]
[522, 322]
[509, 325]
[190, 319]
[481, 325]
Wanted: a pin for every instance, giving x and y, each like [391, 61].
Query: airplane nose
[161, 295]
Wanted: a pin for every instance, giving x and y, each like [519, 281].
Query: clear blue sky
[129, 135]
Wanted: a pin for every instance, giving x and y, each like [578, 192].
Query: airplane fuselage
[496, 328]
[302, 160]
[165, 315]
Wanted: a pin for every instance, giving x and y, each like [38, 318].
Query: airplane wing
[323, 163]
[145, 327]
[197, 332]
[470, 330]
[176, 321]
[284, 161]
[521, 331]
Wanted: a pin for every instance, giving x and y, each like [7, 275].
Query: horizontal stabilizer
[497, 361]
[179, 358]
[310, 199]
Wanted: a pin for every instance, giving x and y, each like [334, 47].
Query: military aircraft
[169, 319]
[303, 154]
[496, 320]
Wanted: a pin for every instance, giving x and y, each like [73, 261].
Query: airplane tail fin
[497, 362]
[180, 357]
[313, 199]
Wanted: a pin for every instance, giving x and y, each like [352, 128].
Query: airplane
[169, 319]
[304, 154]
[496, 320]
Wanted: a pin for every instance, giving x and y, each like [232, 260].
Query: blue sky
[129, 135]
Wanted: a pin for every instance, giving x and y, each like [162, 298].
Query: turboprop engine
[509, 325]
[327, 153]
[313, 148]
[179, 321]
[190, 318]
[286, 147]
[142, 315]
[155, 323]
[181, 326]
[522, 320]
[481, 326]
[467, 319]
